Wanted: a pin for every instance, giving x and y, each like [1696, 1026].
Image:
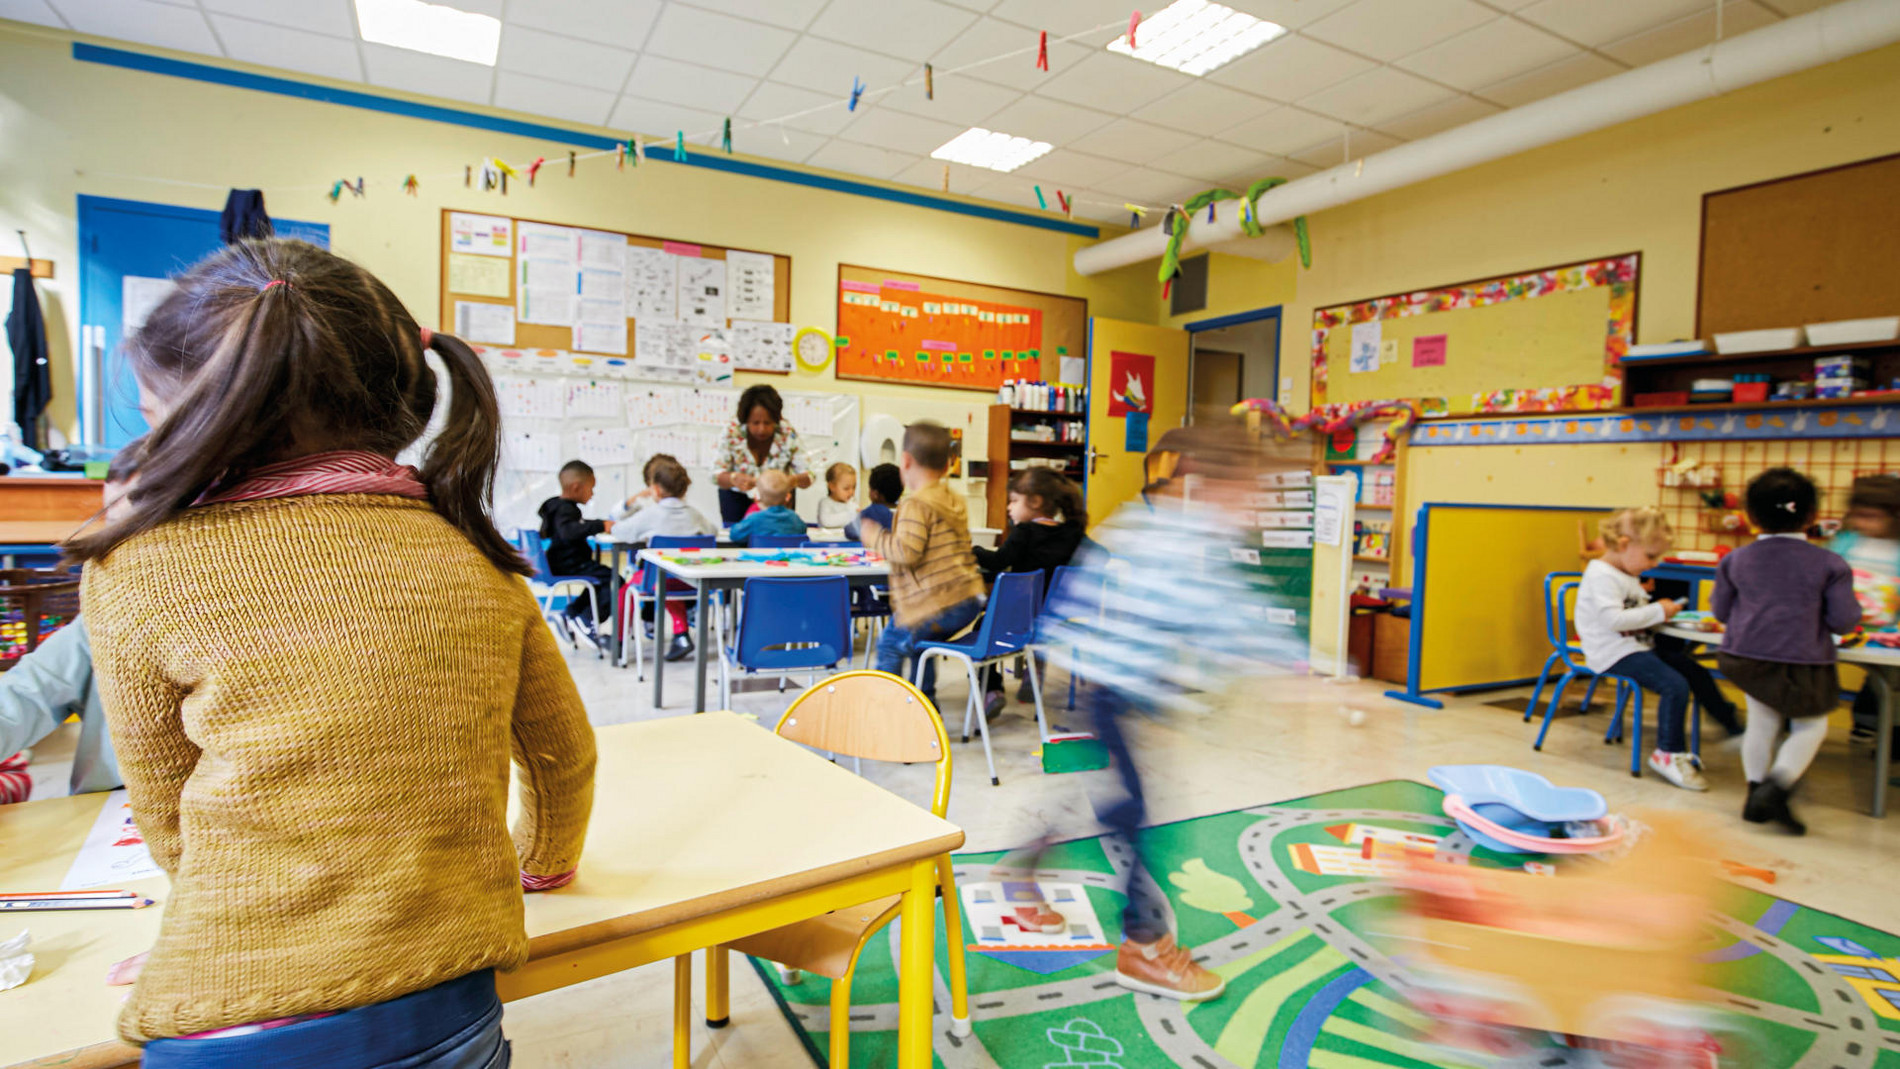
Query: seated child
[936, 590]
[37, 695]
[570, 552]
[644, 496]
[1871, 547]
[773, 517]
[1615, 620]
[838, 507]
[1047, 520]
[1780, 597]
[884, 486]
[669, 514]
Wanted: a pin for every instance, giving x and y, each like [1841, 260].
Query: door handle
[1095, 455]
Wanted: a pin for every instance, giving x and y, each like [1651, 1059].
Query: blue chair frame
[1078, 596]
[638, 594]
[870, 604]
[546, 585]
[1626, 689]
[787, 625]
[1007, 629]
[771, 541]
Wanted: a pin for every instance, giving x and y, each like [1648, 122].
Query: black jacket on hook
[32, 376]
[244, 217]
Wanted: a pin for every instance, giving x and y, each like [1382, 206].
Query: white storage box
[1758, 341]
[1854, 331]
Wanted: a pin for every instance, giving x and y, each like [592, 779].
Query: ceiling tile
[791, 14]
[539, 96]
[1047, 120]
[1595, 22]
[771, 102]
[419, 72]
[1061, 17]
[280, 46]
[1388, 29]
[1154, 188]
[860, 159]
[1378, 94]
[1113, 83]
[792, 146]
[1212, 161]
[1064, 167]
[1333, 153]
[898, 131]
[910, 29]
[716, 40]
[491, 8]
[1275, 167]
[333, 17]
[564, 59]
[1444, 115]
[1290, 68]
[1791, 8]
[1292, 14]
[34, 11]
[1204, 108]
[829, 67]
[1695, 31]
[958, 100]
[621, 23]
[1580, 69]
[661, 122]
[1132, 142]
[669, 80]
[991, 38]
[1283, 130]
[143, 21]
[1499, 49]
[978, 6]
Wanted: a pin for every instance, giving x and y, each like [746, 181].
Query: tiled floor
[1277, 739]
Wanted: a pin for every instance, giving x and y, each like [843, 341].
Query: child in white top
[1615, 620]
[669, 514]
[840, 503]
[1871, 547]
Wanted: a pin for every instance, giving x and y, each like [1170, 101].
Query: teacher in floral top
[759, 440]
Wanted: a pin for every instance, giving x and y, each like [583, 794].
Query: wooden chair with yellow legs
[879, 717]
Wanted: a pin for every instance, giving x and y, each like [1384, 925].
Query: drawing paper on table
[483, 235]
[492, 324]
[652, 283]
[750, 292]
[702, 299]
[477, 276]
[114, 851]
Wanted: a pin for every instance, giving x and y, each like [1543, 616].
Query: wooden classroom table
[706, 829]
[1883, 674]
[731, 574]
[32, 536]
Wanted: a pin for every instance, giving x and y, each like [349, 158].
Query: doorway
[1233, 358]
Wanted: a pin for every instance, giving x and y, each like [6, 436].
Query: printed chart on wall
[669, 310]
[1541, 341]
[897, 327]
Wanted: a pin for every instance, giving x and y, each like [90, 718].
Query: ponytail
[459, 469]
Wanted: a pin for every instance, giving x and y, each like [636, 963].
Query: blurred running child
[774, 516]
[570, 551]
[839, 505]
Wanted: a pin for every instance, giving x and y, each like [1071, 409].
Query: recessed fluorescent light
[986, 148]
[433, 28]
[1194, 36]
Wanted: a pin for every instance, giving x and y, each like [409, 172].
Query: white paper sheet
[702, 294]
[547, 275]
[750, 286]
[652, 283]
[531, 398]
[594, 400]
[487, 324]
[138, 297]
[603, 250]
[477, 276]
[605, 446]
[710, 348]
[1365, 346]
[609, 336]
[762, 346]
[114, 852]
[539, 241]
[484, 235]
[531, 451]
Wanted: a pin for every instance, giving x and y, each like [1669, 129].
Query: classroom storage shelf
[1003, 449]
[1675, 374]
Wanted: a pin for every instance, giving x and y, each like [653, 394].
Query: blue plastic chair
[870, 604]
[1556, 628]
[1008, 628]
[1076, 595]
[1574, 668]
[765, 541]
[546, 585]
[788, 625]
[634, 596]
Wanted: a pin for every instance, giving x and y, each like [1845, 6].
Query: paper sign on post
[1328, 516]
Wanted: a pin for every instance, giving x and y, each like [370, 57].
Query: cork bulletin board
[928, 331]
[487, 294]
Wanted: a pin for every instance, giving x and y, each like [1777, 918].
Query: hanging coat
[244, 217]
[32, 375]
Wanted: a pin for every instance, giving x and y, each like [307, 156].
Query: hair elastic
[1789, 505]
[427, 337]
[274, 282]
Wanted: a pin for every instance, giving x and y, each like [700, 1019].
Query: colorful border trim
[1617, 272]
[1847, 421]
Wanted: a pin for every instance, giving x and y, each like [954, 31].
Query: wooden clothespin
[1042, 50]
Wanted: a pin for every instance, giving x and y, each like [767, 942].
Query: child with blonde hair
[1616, 622]
[774, 516]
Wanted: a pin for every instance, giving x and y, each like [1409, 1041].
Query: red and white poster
[1131, 383]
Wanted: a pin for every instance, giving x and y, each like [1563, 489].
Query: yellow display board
[1478, 579]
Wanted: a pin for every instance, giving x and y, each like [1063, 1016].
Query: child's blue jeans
[895, 645]
[1652, 673]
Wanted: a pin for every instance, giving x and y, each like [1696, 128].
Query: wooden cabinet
[1012, 448]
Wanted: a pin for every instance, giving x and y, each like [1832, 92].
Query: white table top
[1865, 654]
[731, 566]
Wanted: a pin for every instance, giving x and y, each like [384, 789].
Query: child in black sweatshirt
[570, 552]
[1047, 520]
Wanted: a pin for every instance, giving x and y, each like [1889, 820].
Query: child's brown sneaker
[1165, 968]
[1041, 917]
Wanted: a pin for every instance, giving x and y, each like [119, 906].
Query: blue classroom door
[145, 243]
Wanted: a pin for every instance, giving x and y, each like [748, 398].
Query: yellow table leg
[916, 966]
[683, 1011]
[718, 984]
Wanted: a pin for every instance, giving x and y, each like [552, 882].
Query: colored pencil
[9, 897]
[49, 905]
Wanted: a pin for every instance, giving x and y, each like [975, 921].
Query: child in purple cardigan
[1781, 597]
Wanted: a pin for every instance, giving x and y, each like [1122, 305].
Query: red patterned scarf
[341, 471]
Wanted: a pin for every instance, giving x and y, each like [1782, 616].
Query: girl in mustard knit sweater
[275, 584]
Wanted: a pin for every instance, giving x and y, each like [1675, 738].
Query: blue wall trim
[1231, 320]
[262, 83]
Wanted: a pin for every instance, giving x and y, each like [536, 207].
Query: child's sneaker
[1165, 968]
[1681, 769]
[1041, 917]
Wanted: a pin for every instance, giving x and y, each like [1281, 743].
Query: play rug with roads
[1279, 900]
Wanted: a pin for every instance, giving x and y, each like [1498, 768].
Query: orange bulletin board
[546, 336]
[896, 327]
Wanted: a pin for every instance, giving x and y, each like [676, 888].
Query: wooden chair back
[876, 716]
